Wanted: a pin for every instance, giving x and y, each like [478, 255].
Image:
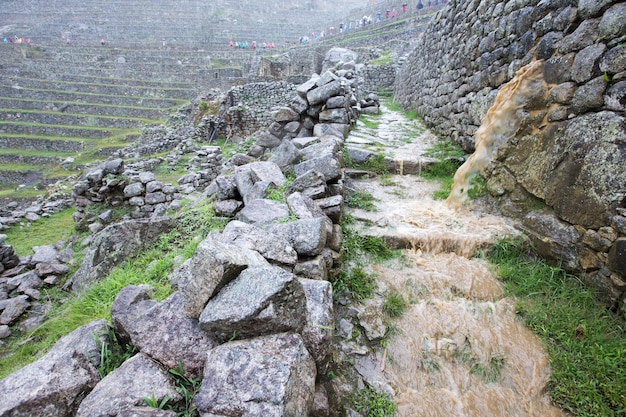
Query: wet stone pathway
[458, 349]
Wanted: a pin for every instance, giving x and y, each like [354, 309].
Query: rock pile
[23, 279]
[252, 315]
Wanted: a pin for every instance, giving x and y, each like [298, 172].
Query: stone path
[458, 349]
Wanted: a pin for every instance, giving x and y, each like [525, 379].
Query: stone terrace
[58, 99]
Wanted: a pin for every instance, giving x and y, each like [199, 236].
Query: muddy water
[459, 349]
[503, 120]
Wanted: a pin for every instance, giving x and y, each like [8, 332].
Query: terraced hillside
[65, 104]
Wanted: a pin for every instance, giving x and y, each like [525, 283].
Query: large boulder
[160, 330]
[214, 264]
[128, 386]
[115, 244]
[262, 300]
[272, 246]
[270, 376]
[55, 385]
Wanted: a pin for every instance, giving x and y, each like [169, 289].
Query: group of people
[388, 14]
[68, 41]
[252, 45]
[18, 40]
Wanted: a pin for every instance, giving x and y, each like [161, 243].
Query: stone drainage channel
[458, 349]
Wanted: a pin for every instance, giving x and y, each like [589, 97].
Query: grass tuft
[586, 343]
[370, 403]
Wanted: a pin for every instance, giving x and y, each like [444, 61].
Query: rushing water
[459, 349]
[502, 122]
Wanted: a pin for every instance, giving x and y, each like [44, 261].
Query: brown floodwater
[459, 350]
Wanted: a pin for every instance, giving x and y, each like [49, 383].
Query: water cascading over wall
[563, 171]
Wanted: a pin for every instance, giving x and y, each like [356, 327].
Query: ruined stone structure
[569, 153]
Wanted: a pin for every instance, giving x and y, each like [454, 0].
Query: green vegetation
[586, 343]
[112, 352]
[370, 403]
[449, 159]
[375, 164]
[187, 387]
[395, 304]
[383, 59]
[60, 226]
[369, 123]
[151, 267]
[276, 193]
[355, 283]
[361, 200]
[359, 249]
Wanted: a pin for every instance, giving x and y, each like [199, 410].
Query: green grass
[361, 200]
[369, 124]
[394, 305]
[153, 266]
[370, 403]
[375, 164]
[449, 159]
[356, 283]
[358, 248]
[60, 226]
[383, 59]
[586, 343]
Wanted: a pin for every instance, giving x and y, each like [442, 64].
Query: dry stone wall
[569, 154]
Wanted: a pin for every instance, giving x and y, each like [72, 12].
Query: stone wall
[376, 77]
[568, 156]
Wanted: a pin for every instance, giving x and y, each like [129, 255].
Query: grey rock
[615, 97]
[307, 236]
[145, 412]
[218, 259]
[135, 189]
[371, 319]
[155, 198]
[614, 61]
[262, 300]
[226, 188]
[154, 186]
[299, 104]
[113, 166]
[146, 177]
[271, 376]
[553, 238]
[326, 165]
[332, 206]
[585, 35]
[323, 93]
[590, 96]
[336, 102]
[286, 114]
[310, 183]
[613, 22]
[315, 268]
[5, 331]
[24, 281]
[46, 253]
[160, 330]
[55, 384]
[304, 88]
[327, 146]
[586, 63]
[562, 93]
[318, 332]
[591, 8]
[136, 379]
[271, 246]
[303, 207]
[51, 268]
[263, 211]
[13, 308]
[285, 155]
[268, 140]
[227, 208]
[334, 116]
[116, 243]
